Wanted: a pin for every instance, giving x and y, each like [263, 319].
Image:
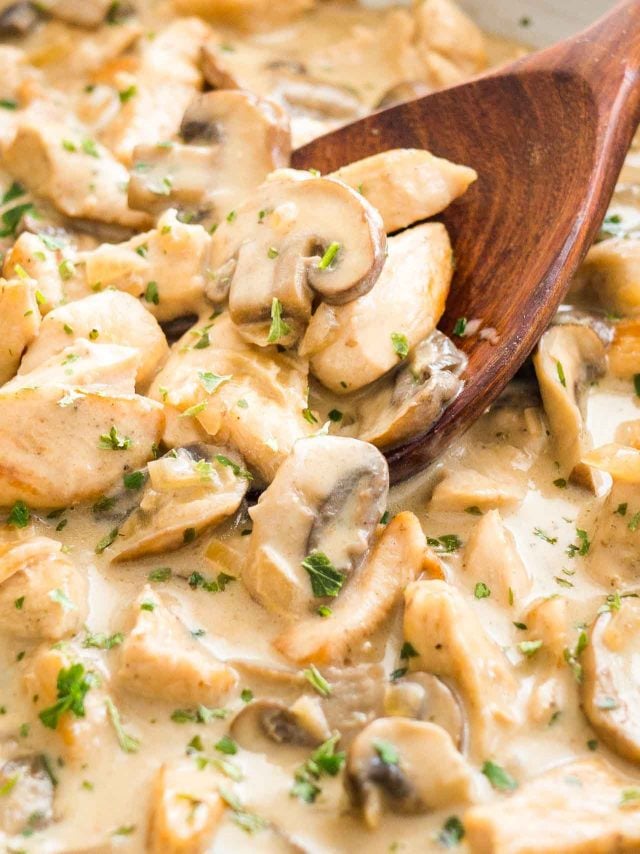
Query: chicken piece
[548, 620]
[79, 736]
[624, 353]
[372, 594]
[42, 594]
[186, 808]
[161, 660]
[451, 643]
[460, 490]
[109, 317]
[166, 267]
[248, 14]
[611, 271]
[449, 43]
[19, 322]
[407, 185]
[18, 81]
[80, 177]
[575, 808]
[259, 407]
[167, 78]
[61, 444]
[30, 253]
[491, 557]
[354, 344]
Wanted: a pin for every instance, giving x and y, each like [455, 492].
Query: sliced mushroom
[406, 766]
[352, 345]
[49, 158]
[327, 497]
[575, 805]
[424, 697]
[258, 409]
[292, 239]
[52, 591]
[110, 317]
[186, 808]
[610, 689]
[160, 659]
[416, 395]
[19, 322]
[27, 802]
[18, 19]
[232, 140]
[263, 723]
[307, 97]
[568, 359]
[407, 184]
[372, 595]
[190, 490]
[452, 644]
[491, 557]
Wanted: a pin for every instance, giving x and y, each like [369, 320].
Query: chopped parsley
[201, 715]
[113, 441]
[278, 329]
[235, 468]
[634, 522]
[481, 590]
[571, 656]
[151, 293]
[326, 580]
[329, 256]
[226, 745]
[445, 544]
[19, 515]
[107, 541]
[498, 777]
[317, 680]
[89, 147]
[163, 573]
[400, 344]
[72, 684]
[335, 415]
[386, 751]
[210, 382]
[529, 648]
[133, 479]
[460, 326]
[127, 742]
[102, 641]
[636, 384]
[324, 760]
[561, 375]
[561, 483]
[582, 547]
[408, 650]
[128, 93]
[538, 532]
[246, 695]
[452, 832]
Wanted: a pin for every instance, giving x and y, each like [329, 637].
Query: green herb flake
[67, 269]
[133, 479]
[308, 416]
[481, 591]
[329, 256]
[107, 541]
[72, 684]
[408, 650]
[102, 641]
[498, 777]
[326, 580]
[113, 441]
[246, 695]
[538, 532]
[128, 93]
[560, 483]
[127, 742]
[460, 327]
[18, 603]
[446, 544]
[90, 147]
[400, 344]
[634, 522]
[636, 384]
[19, 515]
[386, 751]
[210, 382]
[151, 293]
[279, 328]
[452, 832]
[61, 598]
[163, 573]
[529, 648]
[317, 680]
[226, 745]
[561, 375]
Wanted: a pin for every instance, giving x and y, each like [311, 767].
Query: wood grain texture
[547, 136]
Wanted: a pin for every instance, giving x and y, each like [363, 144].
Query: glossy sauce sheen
[111, 791]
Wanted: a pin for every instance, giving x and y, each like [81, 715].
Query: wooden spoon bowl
[547, 135]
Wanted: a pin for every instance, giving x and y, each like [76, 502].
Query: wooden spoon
[547, 135]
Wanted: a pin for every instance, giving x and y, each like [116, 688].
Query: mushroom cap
[264, 723]
[426, 698]
[327, 496]
[419, 392]
[610, 689]
[279, 240]
[421, 771]
[190, 489]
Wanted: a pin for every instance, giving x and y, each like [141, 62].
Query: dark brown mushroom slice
[26, 804]
[419, 392]
[326, 498]
[18, 19]
[176, 328]
[265, 723]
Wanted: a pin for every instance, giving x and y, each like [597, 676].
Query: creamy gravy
[103, 798]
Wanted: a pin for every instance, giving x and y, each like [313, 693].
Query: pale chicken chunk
[251, 14]
[354, 344]
[259, 406]
[491, 557]
[451, 643]
[60, 443]
[19, 322]
[186, 808]
[110, 317]
[611, 271]
[165, 267]
[466, 490]
[80, 177]
[450, 44]
[42, 593]
[31, 254]
[576, 808]
[160, 659]
[166, 79]
[407, 185]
